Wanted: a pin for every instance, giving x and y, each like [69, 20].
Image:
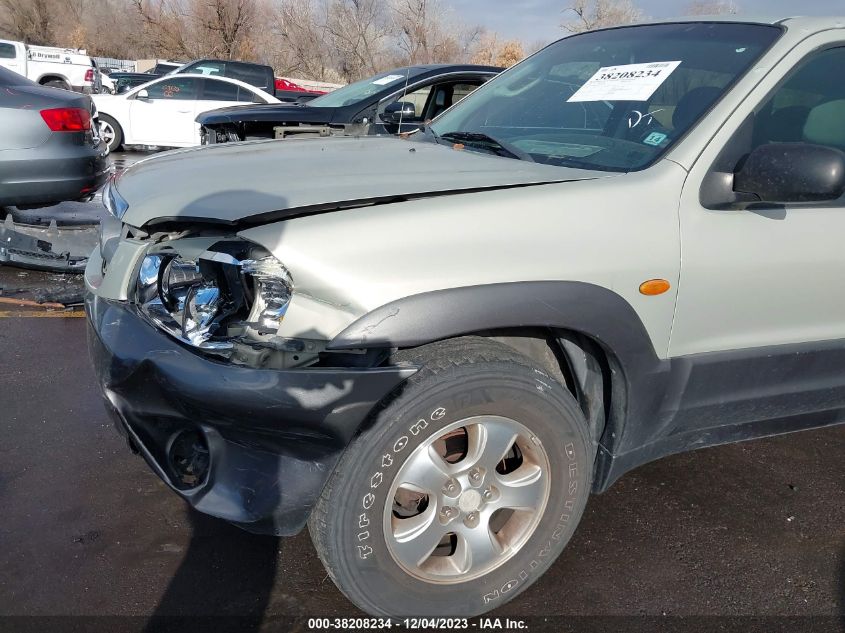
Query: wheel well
[43, 80]
[576, 361]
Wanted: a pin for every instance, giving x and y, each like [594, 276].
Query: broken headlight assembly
[234, 293]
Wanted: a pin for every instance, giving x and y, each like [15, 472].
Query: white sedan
[162, 112]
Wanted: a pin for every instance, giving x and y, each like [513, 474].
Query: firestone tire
[459, 383]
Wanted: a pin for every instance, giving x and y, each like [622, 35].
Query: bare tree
[486, 48]
[224, 24]
[295, 40]
[327, 40]
[358, 32]
[718, 7]
[426, 31]
[28, 20]
[490, 51]
[586, 15]
[510, 53]
[165, 25]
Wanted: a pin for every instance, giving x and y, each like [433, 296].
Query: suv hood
[261, 181]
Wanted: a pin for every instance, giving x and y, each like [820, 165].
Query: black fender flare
[423, 318]
[639, 375]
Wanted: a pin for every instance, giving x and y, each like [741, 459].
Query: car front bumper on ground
[266, 440]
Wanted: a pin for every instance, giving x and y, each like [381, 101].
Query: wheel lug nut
[447, 512]
[451, 487]
[471, 520]
[488, 494]
[476, 475]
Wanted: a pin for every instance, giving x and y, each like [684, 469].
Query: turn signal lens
[67, 119]
[654, 287]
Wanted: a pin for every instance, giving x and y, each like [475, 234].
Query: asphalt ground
[725, 538]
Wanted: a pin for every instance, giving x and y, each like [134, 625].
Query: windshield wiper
[477, 139]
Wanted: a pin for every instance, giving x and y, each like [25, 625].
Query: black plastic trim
[658, 406]
[274, 436]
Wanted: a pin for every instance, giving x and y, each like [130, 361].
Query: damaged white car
[432, 351]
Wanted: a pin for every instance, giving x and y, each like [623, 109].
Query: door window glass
[7, 51]
[174, 88]
[448, 94]
[809, 107]
[419, 98]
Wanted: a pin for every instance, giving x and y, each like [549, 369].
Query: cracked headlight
[237, 292]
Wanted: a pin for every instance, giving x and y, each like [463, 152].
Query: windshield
[612, 100]
[360, 90]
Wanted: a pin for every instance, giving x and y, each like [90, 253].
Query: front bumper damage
[267, 440]
[46, 248]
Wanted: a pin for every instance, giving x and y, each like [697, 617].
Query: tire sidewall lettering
[371, 552]
[377, 478]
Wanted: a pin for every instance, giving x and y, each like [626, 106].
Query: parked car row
[162, 112]
[391, 102]
[181, 110]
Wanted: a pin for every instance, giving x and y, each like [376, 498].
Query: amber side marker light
[654, 287]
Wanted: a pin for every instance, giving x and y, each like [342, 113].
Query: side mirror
[143, 94]
[792, 172]
[399, 111]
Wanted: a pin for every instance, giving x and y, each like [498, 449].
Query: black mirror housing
[399, 111]
[792, 172]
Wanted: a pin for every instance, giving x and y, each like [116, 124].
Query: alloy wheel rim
[467, 500]
[107, 132]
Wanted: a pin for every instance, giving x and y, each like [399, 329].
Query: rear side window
[7, 51]
[223, 91]
[247, 96]
[219, 91]
[174, 89]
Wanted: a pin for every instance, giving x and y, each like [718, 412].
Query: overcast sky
[532, 20]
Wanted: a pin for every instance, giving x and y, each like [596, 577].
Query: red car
[288, 91]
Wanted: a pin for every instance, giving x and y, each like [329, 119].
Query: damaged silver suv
[432, 351]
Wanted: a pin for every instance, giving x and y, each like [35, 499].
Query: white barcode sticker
[388, 80]
[630, 82]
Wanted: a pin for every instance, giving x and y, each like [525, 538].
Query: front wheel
[463, 490]
[111, 132]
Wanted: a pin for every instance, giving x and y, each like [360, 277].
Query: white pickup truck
[66, 68]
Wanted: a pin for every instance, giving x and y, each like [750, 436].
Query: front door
[767, 275]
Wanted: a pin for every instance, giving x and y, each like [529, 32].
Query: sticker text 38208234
[629, 82]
